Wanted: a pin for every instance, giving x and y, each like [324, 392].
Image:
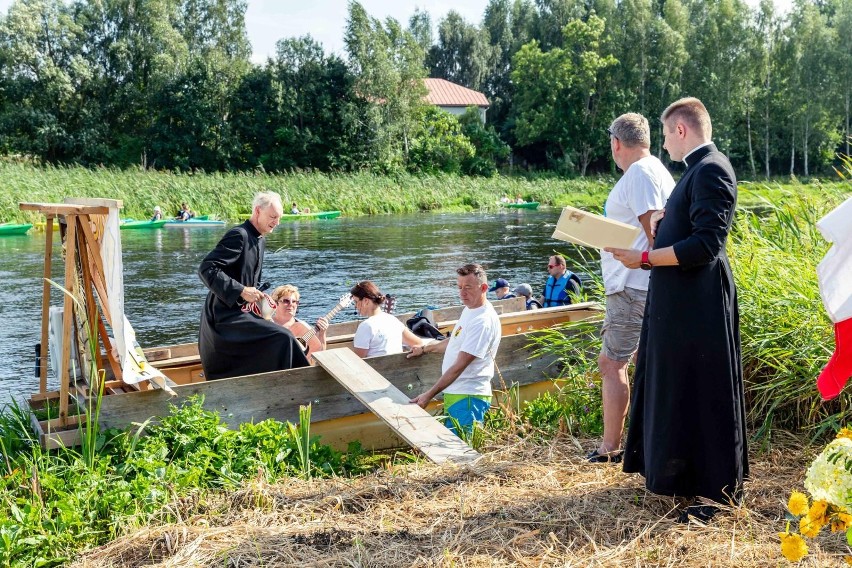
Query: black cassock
[231, 342]
[687, 414]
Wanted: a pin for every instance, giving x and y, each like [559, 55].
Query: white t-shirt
[380, 334]
[645, 186]
[476, 333]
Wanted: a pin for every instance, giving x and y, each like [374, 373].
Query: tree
[438, 144]
[462, 54]
[490, 150]
[43, 72]
[388, 64]
[558, 93]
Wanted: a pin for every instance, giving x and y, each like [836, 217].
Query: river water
[413, 257]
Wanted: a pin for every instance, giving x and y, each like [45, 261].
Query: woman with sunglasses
[287, 299]
[380, 333]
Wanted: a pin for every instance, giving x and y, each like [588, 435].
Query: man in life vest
[561, 283]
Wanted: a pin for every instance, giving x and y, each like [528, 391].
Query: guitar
[307, 336]
[389, 304]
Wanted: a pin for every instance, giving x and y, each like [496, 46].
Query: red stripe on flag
[839, 368]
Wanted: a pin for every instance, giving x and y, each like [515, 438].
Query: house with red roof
[454, 98]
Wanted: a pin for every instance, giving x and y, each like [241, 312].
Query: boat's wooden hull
[335, 414]
[182, 364]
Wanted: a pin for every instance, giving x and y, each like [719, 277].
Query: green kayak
[14, 228]
[525, 205]
[194, 222]
[304, 216]
[142, 224]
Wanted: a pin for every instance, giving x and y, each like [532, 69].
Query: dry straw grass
[523, 504]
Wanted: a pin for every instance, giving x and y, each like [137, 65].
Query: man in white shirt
[642, 190]
[469, 353]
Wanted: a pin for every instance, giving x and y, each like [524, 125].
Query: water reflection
[413, 257]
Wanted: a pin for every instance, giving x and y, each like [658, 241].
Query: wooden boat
[14, 228]
[336, 415]
[140, 385]
[525, 205]
[194, 223]
[142, 224]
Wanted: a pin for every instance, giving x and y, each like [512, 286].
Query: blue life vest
[556, 291]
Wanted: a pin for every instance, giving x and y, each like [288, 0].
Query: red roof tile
[444, 93]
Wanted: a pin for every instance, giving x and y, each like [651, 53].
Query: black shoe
[703, 513]
[613, 457]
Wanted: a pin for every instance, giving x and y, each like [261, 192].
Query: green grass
[54, 504]
[229, 195]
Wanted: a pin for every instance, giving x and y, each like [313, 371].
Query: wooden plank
[94, 202]
[413, 424]
[97, 269]
[67, 316]
[62, 209]
[45, 308]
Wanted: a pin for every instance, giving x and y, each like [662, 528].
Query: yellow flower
[809, 527]
[793, 546]
[845, 433]
[817, 512]
[798, 504]
[840, 522]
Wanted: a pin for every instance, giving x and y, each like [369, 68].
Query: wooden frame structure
[85, 310]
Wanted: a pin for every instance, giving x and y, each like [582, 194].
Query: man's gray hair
[632, 130]
[264, 199]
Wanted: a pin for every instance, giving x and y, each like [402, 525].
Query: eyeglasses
[287, 302]
[608, 131]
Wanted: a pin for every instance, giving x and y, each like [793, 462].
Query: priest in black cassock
[231, 342]
[687, 416]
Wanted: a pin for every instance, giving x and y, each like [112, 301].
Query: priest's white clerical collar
[693, 151]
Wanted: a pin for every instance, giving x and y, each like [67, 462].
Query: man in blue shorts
[469, 354]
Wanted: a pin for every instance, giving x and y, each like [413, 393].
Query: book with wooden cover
[596, 231]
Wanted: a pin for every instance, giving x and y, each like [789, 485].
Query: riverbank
[187, 474]
[228, 196]
[528, 502]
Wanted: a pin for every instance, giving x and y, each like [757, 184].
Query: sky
[267, 21]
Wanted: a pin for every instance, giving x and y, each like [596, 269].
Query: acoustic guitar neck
[314, 330]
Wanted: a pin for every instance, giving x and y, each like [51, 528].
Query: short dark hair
[559, 259]
[475, 269]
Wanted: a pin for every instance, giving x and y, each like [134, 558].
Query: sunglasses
[552, 265]
[287, 302]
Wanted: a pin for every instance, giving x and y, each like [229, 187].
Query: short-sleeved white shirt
[645, 186]
[380, 334]
[476, 333]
